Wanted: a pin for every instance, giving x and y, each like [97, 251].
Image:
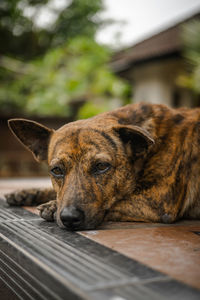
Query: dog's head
[91, 163]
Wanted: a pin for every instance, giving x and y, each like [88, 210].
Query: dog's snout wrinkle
[72, 217]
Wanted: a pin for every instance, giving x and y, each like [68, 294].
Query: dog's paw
[48, 210]
[167, 219]
[22, 197]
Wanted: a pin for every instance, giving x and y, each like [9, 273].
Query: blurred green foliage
[21, 38]
[49, 71]
[191, 41]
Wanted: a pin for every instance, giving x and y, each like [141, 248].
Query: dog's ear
[34, 136]
[135, 138]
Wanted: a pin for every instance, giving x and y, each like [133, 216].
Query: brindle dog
[137, 163]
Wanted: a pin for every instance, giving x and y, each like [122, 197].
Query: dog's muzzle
[72, 217]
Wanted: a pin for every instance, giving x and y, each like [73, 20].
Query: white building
[153, 67]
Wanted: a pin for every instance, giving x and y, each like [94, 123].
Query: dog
[140, 162]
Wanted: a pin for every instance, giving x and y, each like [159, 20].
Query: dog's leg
[30, 197]
[34, 197]
[138, 209]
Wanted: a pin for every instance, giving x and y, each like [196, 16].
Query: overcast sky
[142, 18]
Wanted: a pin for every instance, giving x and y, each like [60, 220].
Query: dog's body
[137, 163]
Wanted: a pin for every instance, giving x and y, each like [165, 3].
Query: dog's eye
[57, 172]
[101, 167]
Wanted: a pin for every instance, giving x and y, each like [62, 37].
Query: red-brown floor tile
[174, 250]
[32, 209]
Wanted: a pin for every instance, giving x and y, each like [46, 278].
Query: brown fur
[137, 163]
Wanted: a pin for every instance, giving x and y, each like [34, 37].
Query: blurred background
[62, 60]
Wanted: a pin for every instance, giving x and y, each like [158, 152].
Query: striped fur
[148, 157]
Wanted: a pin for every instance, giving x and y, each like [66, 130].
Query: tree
[191, 42]
[18, 37]
[21, 38]
[75, 72]
[60, 67]
[80, 18]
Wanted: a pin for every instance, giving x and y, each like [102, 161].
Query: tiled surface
[171, 249]
[38, 260]
[174, 250]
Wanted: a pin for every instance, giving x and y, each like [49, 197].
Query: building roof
[165, 43]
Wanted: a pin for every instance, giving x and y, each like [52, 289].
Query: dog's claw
[167, 219]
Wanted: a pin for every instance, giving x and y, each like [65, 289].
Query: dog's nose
[72, 217]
